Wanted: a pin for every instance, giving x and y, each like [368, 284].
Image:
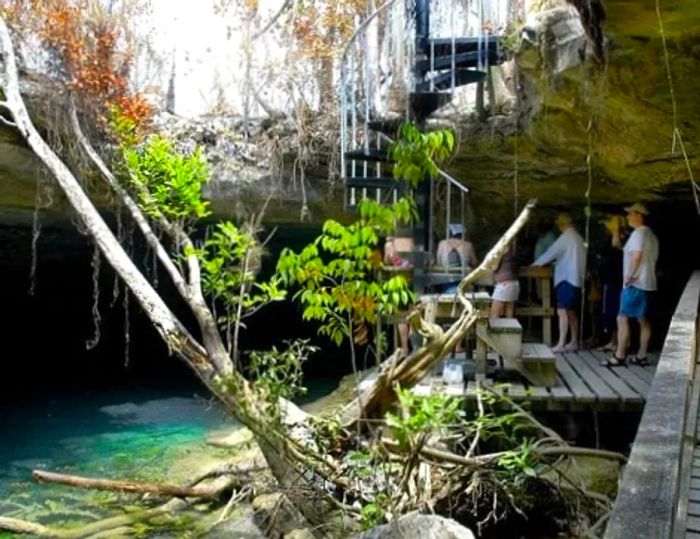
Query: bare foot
[558, 348]
[571, 347]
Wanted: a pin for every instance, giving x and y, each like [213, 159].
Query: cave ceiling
[608, 121]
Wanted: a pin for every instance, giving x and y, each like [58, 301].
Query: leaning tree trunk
[293, 459]
[217, 372]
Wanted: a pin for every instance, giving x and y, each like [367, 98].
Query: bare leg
[644, 337]
[496, 309]
[572, 317]
[623, 336]
[510, 309]
[563, 330]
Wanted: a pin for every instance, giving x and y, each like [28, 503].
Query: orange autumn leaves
[321, 28]
[88, 50]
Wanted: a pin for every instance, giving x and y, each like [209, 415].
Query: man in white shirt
[568, 255]
[639, 280]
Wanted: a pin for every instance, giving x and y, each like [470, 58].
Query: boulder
[417, 526]
[241, 528]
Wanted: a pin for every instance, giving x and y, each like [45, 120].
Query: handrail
[647, 501]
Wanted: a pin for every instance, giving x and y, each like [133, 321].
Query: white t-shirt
[642, 240]
[568, 255]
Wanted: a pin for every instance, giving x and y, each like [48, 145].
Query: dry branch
[126, 486]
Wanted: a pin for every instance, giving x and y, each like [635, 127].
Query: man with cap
[568, 255]
[638, 280]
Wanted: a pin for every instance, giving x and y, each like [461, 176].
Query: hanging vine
[677, 135]
[96, 317]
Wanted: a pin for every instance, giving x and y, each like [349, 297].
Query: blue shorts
[634, 302]
[568, 296]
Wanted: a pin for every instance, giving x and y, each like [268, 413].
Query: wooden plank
[619, 386]
[694, 509]
[644, 373]
[578, 388]
[601, 390]
[537, 393]
[694, 495]
[692, 535]
[561, 392]
[516, 391]
[626, 375]
[692, 524]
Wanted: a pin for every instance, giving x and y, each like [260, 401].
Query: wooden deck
[583, 385]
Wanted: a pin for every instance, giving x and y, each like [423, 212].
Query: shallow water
[138, 434]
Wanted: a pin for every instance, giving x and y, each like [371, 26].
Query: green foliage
[422, 415]
[337, 273]
[230, 259]
[278, 372]
[519, 463]
[418, 154]
[166, 182]
[374, 512]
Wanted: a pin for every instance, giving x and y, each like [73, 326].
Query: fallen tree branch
[125, 486]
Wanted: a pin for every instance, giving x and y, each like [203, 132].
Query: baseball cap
[563, 219]
[638, 207]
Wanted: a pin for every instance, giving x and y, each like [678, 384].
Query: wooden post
[546, 303]
[481, 349]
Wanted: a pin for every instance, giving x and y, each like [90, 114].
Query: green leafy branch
[418, 155]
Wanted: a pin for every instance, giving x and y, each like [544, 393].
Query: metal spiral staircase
[406, 61]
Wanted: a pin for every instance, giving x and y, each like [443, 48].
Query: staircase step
[443, 45]
[461, 60]
[443, 81]
[536, 352]
[423, 104]
[504, 325]
[380, 182]
[538, 364]
[388, 126]
[373, 155]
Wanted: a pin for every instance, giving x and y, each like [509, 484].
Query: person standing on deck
[568, 255]
[639, 280]
[507, 288]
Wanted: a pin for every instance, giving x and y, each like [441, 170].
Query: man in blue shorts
[639, 280]
[568, 255]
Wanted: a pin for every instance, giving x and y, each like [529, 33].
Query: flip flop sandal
[614, 361]
[640, 361]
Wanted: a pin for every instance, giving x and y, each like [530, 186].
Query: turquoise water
[136, 435]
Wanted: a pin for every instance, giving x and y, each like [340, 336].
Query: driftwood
[126, 486]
